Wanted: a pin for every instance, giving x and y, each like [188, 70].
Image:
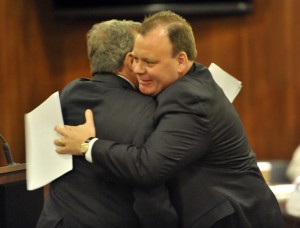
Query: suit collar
[112, 78]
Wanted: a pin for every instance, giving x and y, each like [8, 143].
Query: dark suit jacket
[82, 197]
[200, 144]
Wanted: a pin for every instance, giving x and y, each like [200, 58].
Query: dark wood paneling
[40, 54]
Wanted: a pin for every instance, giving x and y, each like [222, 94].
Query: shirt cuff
[88, 154]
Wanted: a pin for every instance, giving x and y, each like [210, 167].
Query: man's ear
[127, 64]
[129, 59]
[182, 62]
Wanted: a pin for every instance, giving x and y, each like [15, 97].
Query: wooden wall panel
[33, 64]
[262, 51]
[40, 54]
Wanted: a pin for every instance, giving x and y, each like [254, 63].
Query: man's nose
[138, 68]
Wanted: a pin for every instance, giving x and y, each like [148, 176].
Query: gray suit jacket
[199, 143]
[83, 197]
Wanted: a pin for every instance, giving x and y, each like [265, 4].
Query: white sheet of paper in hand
[43, 164]
[230, 85]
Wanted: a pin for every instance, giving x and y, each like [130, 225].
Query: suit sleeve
[179, 139]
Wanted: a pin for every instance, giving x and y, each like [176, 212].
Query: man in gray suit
[82, 197]
[198, 143]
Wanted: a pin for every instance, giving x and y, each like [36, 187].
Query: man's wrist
[85, 146]
[88, 154]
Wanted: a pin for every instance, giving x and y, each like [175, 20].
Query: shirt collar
[127, 80]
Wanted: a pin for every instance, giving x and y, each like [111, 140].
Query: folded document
[43, 164]
[230, 85]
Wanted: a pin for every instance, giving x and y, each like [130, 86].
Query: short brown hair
[179, 31]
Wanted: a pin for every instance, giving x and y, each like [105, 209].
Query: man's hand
[73, 136]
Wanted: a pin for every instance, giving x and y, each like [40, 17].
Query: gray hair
[108, 43]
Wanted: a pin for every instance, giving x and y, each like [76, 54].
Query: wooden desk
[290, 221]
[282, 193]
[12, 173]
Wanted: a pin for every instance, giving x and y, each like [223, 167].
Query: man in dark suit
[82, 198]
[198, 143]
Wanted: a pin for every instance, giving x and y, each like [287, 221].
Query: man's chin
[146, 91]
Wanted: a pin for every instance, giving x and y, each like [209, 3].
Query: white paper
[283, 191]
[43, 164]
[230, 85]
